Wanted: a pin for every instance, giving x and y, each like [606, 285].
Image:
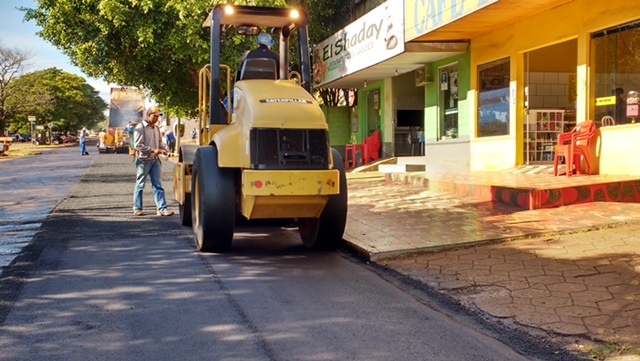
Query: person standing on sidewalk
[148, 147]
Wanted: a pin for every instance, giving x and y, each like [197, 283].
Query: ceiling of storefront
[448, 40]
[414, 56]
[494, 16]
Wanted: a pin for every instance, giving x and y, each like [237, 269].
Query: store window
[448, 99]
[617, 72]
[493, 98]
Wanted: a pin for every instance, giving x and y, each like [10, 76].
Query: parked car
[58, 138]
[25, 137]
[72, 137]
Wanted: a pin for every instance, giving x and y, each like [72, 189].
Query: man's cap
[154, 110]
[264, 39]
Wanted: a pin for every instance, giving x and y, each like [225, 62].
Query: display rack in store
[542, 131]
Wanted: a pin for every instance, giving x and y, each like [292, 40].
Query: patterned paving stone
[536, 319]
[562, 267]
[590, 298]
[552, 302]
[490, 278]
[568, 329]
[513, 285]
[531, 293]
[545, 280]
[620, 304]
[606, 321]
[527, 272]
[553, 281]
[628, 289]
[578, 311]
[507, 268]
[567, 287]
[604, 280]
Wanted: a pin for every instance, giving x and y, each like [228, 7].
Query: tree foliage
[55, 96]
[153, 44]
[157, 45]
[12, 61]
[326, 17]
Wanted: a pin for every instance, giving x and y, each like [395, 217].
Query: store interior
[550, 98]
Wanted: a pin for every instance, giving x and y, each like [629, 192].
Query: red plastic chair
[372, 146]
[574, 146]
[353, 149]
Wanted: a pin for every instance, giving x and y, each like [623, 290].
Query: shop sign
[373, 38]
[423, 16]
[606, 101]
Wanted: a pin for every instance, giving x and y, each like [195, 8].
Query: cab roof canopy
[257, 15]
[285, 20]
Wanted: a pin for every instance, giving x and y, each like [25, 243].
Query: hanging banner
[423, 16]
[373, 38]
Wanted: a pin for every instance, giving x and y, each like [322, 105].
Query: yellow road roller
[263, 147]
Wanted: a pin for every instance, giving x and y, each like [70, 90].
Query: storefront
[476, 117]
[501, 82]
[558, 76]
[371, 55]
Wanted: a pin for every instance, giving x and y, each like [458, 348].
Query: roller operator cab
[268, 156]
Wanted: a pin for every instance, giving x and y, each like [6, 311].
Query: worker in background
[102, 136]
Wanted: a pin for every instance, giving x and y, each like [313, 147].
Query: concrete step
[401, 168]
[528, 190]
[411, 160]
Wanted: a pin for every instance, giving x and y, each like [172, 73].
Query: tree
[58, 97]
[12, 61]
[326, 17]
[156, 45]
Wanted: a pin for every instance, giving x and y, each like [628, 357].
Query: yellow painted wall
[618, 150]
[575, 20]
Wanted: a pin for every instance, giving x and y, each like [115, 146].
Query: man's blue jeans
[83, 147]
[151, 168]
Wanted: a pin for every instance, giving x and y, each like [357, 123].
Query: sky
[15, 33]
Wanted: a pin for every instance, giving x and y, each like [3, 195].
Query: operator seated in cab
[263, 50]
[260, 71]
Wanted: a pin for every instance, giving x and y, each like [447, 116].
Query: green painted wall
[339, 123]
[431, 97]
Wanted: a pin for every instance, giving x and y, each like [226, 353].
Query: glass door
[448, 102]
[373, 111]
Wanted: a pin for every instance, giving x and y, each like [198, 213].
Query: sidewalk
[568, 271]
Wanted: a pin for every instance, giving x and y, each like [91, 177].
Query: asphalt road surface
[96, 283]
[30, 187]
